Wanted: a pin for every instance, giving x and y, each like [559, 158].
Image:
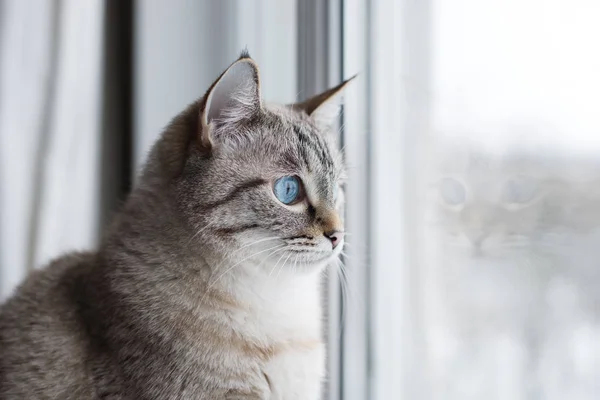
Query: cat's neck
[270, 285]
[282, 304]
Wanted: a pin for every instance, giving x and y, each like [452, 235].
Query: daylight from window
[509, 262]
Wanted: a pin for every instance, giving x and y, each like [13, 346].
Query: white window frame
[386, 120]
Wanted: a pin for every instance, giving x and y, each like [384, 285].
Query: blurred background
[472, 138]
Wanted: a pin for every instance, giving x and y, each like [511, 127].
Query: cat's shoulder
[42, 337]
[46, 287]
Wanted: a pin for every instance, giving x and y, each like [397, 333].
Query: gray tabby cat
[206, 285]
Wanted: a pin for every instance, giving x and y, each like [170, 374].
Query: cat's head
[489, 206]
[257, 181]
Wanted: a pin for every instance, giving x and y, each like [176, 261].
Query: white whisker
[275, 266]
[296, 262]
[283, 266]
[229, 256]
[234, 265]
[344, 287]
[198, 232]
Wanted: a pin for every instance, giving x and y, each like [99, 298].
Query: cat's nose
[477, 237]
[336, 237]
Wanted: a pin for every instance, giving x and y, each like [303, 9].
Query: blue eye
[519, 190]
[453, 192]
[287, 189]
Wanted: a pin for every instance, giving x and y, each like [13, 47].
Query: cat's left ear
[324, 108]
[233, 97]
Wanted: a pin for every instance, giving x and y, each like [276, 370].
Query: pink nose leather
[336, 237]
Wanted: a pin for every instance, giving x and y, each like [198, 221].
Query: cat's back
[42, 338]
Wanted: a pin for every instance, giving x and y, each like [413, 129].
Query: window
[474, 200]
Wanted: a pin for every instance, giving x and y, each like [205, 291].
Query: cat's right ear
[233, 97]
[324, 108]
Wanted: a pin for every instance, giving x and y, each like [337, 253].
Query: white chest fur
[287, 314]
[297, 373]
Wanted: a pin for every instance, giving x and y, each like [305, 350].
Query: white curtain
[50, 91]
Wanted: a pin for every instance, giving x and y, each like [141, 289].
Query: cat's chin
[309, 263]
[319, 263]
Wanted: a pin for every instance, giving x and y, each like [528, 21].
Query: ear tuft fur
[244, 54]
